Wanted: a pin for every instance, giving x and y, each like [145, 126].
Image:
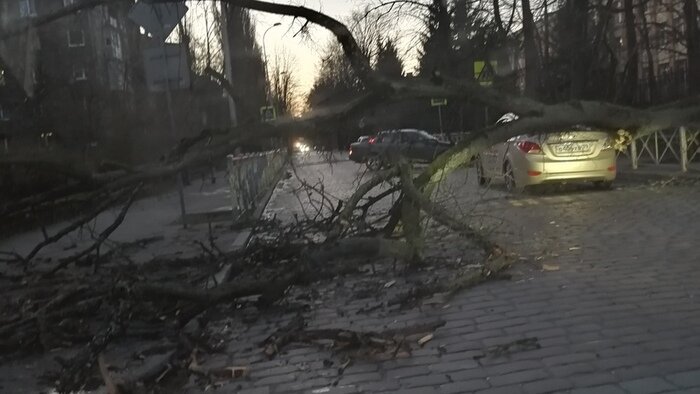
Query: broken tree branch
[440, 214]
[388, 340]
[73, 226]
[101, 238]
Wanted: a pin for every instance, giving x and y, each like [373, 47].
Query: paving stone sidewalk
[616, 311]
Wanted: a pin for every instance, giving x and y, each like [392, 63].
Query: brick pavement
[620, 315]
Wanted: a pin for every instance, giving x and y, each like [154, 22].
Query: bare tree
[284, 85]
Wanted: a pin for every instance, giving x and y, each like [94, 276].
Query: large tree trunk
[532, 56]
[499, 21]
[577, 18]
[546, 33]
[629, 86]
[690, 10]
[651, 76]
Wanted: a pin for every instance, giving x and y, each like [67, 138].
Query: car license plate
[572, 148]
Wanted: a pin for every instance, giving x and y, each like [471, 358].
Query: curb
[644, 175]
[244, 235]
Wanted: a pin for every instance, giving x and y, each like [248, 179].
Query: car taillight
[372, 140]
[529, 147]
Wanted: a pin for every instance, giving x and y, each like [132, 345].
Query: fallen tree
[119, 296]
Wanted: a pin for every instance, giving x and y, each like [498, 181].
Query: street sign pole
[160, 20]
[171, 117]
[484, 72]
[439, 102]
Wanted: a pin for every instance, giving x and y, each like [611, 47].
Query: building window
[76, 38]
[79, 73]
[4, 114]
[27, 8]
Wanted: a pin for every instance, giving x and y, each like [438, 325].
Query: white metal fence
[680, 146]
[251, 176]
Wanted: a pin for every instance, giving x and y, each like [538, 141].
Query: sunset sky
[305, 49]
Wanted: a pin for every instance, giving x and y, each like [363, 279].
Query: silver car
[578, 154]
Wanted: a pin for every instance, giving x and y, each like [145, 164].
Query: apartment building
[69, 81]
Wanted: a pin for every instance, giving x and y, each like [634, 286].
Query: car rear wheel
[483, 180]
[509, 178]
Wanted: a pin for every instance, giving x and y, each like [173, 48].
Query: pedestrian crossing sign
[268, 114]
[484, 72]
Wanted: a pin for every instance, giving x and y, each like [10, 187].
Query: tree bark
[651, 75]
[692, 32]
[577, 20]
[532, 56]
[629, 86]
[497, 17]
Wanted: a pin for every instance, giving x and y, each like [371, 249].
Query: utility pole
[228, 71]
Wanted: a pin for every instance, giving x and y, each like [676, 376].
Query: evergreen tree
[474, 36]
[436, 42]
[336, 80]
[388, 63]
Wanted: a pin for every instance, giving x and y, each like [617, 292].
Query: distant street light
[267, 75]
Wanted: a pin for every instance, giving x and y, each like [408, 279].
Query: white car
[577, 154]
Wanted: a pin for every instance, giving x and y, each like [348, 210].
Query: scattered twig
[73, 226]
[390, 340]
[102, 237]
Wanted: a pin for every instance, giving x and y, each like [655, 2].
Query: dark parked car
[357, 148]
[416, 145]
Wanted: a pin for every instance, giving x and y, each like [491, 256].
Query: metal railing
[681, 146]
[251, 176]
